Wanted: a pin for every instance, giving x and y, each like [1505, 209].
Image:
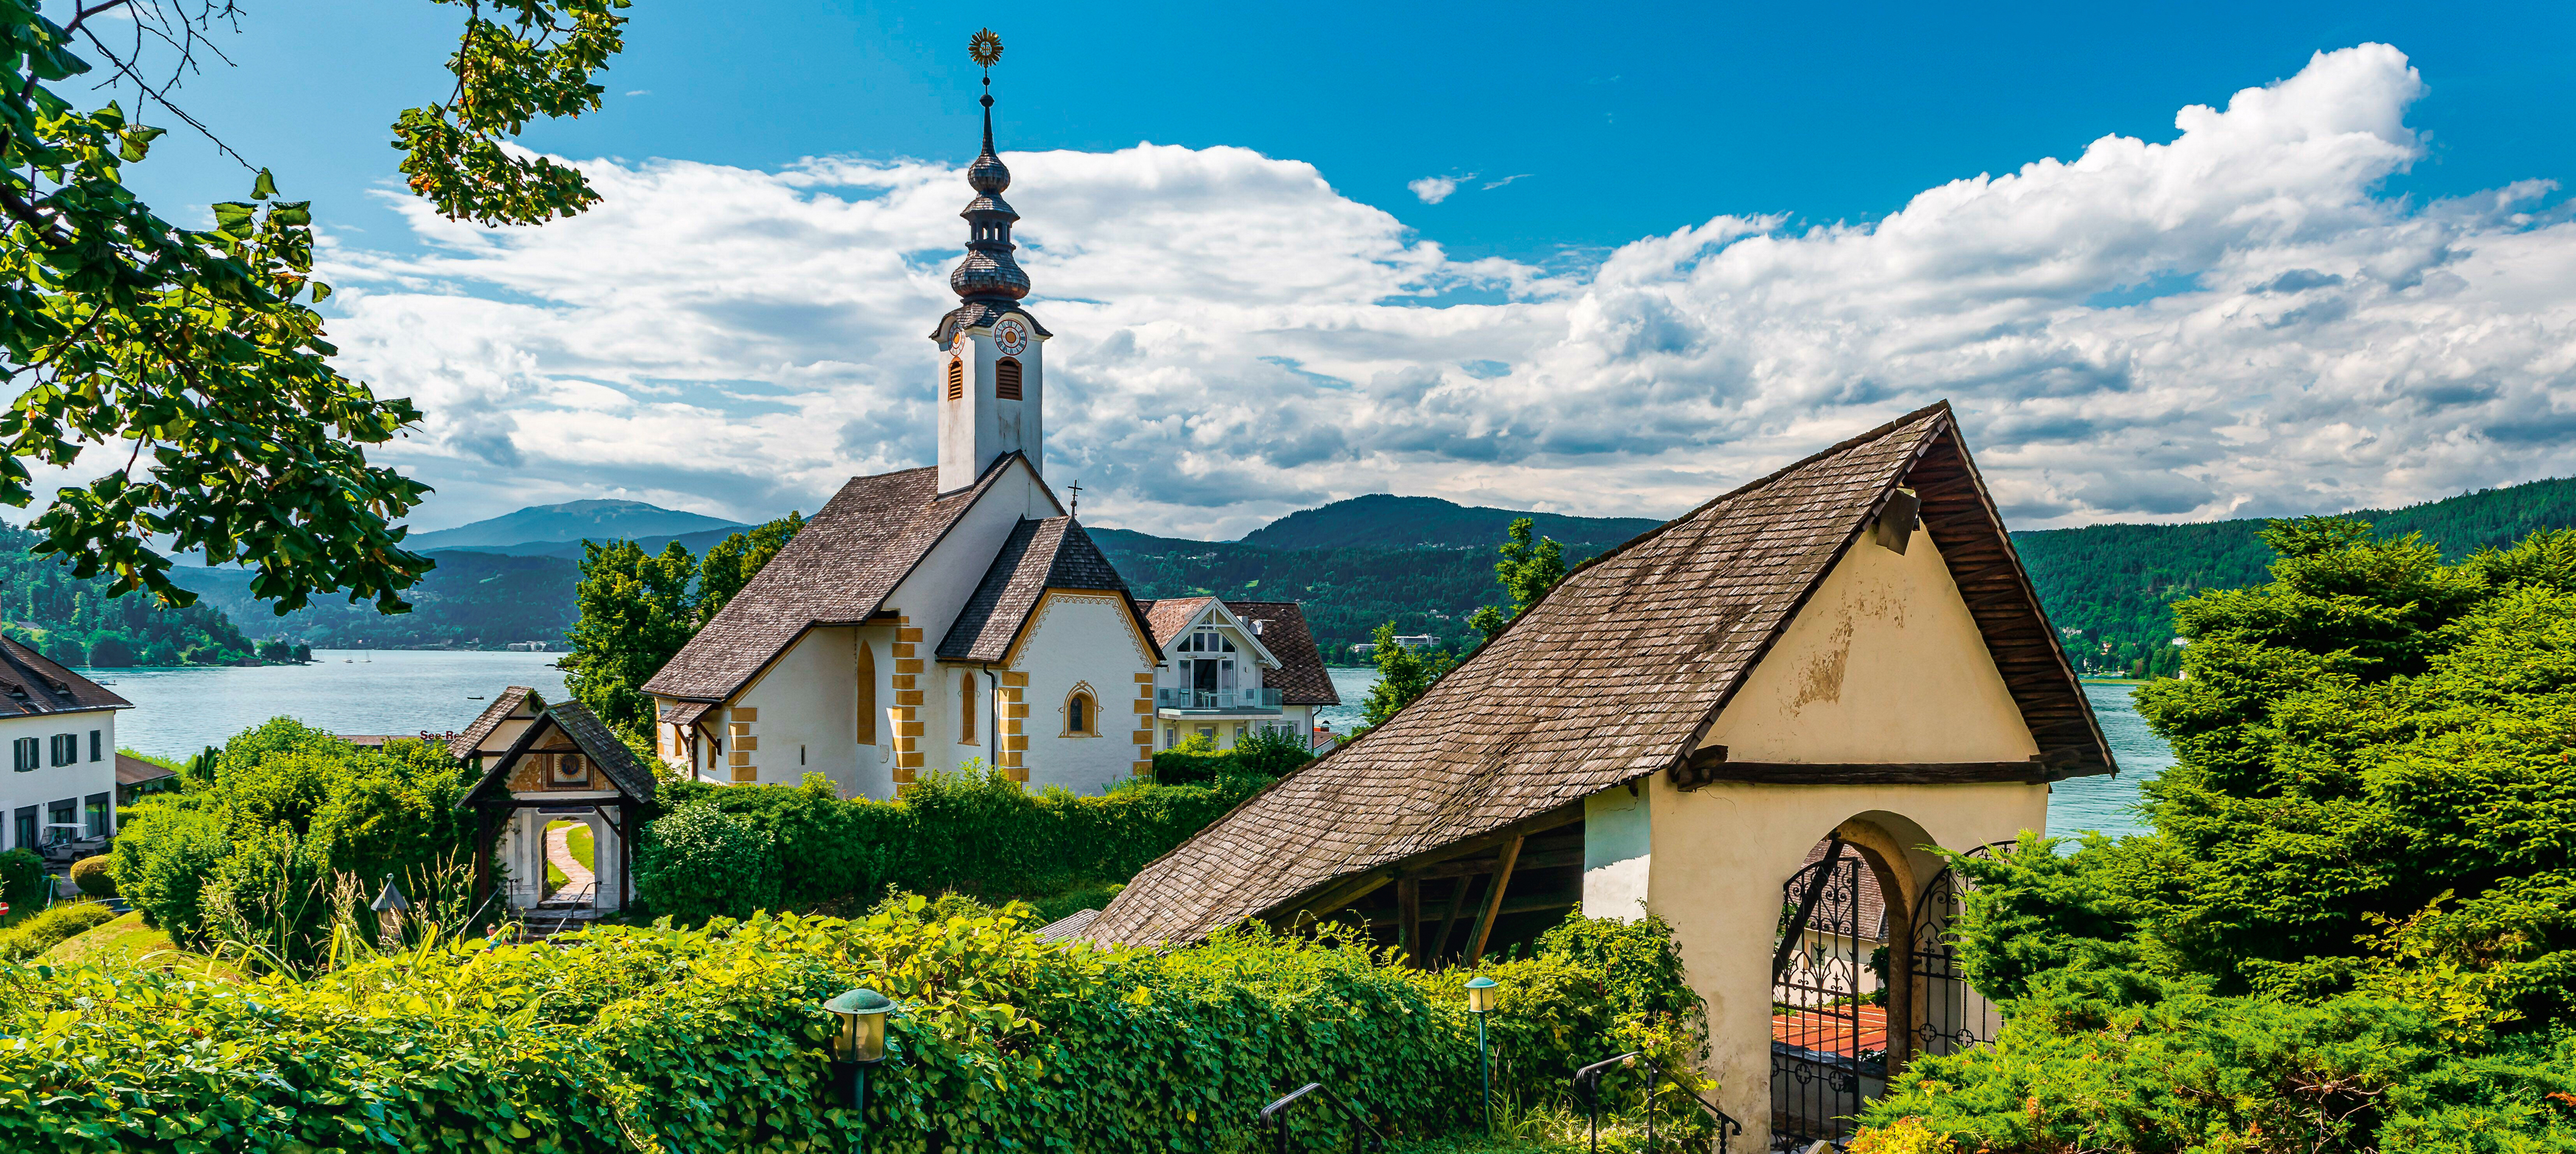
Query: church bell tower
[992, 373]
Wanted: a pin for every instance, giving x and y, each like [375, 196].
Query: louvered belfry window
[1006, 379]
[956, 379]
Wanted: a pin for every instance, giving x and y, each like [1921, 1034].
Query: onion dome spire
[988, 275]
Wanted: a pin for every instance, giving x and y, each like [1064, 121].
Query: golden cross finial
[985, 47]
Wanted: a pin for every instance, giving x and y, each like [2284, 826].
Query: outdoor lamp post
[1481, 995]
[858, 1041]
[389, 907]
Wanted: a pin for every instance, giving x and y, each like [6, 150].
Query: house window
[95, 814]
[1081, 713]
[867, 693]
[956, 379]
[94, 745]
[25, 754]
[66, 748]
[59, 814]
[1171, 736]
[26, 831]
[966, 709]
[1006, 379]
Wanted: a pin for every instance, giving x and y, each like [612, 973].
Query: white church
[932, 617]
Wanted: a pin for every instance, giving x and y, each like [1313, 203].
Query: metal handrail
[1275, 1114]
[1587, 1085]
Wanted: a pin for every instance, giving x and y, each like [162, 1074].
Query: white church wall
[806, 704]
[1075, 639]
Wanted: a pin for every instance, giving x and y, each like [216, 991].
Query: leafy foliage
[635, 611]
[1526, 572]
[197, 356]
[2355, 925]
[663, 1039]
[90, 875]
[699, 862]
[23, 883]
[35, 935]
[536, 60]
[971, 832]
[266, 853]
[1402, 675]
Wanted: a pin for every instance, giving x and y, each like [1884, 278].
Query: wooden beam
[1341, 891]
[1408, 917]
[1484, 930]
[1562, 899]
[1457, 900]
[1531, 859]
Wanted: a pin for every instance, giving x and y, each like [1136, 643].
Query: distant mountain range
[569, 523]
[1420, 562]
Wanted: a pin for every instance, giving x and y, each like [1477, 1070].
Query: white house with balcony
[60, 730]
[1233, 668]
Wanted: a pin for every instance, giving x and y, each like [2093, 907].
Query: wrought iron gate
[1950, 1016]
[1828, 1043]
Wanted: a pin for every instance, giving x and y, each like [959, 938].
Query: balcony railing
[1217, 699]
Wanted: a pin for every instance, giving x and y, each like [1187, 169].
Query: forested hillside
[1381, 521]
[76, 622]
[2111, 587]
[471, 600]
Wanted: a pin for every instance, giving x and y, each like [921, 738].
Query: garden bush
[1263, 755]
[23, 883]
[268, 837]
[971, 832]
[40, 933]
[713, 1039]
[699, 862]
[92, 876]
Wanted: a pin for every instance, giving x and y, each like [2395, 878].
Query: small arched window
[1006, 379]
[1081, 713]
[966, 709]
[956, 378]
[867, 695]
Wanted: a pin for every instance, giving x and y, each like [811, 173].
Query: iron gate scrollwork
[1950, 1015]
[1828, 1038]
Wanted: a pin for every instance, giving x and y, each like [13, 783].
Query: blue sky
[1664, 261]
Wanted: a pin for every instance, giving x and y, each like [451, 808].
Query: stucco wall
[48, 783]
[1883, 664]
[807, 705]
[938, 590]
[1082, 638]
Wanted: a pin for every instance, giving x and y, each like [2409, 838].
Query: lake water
[2085, 803]
[180, 711]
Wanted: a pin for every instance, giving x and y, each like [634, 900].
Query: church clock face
[1011, 337]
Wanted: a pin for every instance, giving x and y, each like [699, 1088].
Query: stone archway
[523, 848]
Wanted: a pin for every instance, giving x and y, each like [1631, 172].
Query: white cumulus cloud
[1433, 189]
[2232, 322]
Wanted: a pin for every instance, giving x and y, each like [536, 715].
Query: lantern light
[860, 1036]
[1481, 994]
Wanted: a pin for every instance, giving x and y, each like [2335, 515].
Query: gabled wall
[1883, 664]
[1086, 638]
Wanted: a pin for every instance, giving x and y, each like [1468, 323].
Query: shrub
[23, 883]
[92, 876]
[50, 928]
[1263, 755]
[714, 1039]
[701, 862]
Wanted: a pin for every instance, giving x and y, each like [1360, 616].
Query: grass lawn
[579, 844]
[127, 935]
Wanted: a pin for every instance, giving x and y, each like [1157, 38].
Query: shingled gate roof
[463, 744]
[837, 570]
[589, 734]
[1040, 555]
[1612, 676]
[31, 682]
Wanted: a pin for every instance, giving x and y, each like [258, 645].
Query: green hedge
[23, 883]
[971, 832]
[46, 930]
[706, 1040]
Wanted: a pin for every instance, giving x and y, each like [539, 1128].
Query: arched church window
[1006, 379]
[867, 693]
[956, 378]
[1081, 713]
[966, 709]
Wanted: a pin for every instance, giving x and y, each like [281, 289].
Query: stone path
[577, 877]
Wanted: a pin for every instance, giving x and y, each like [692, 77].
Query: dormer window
[1205, 641]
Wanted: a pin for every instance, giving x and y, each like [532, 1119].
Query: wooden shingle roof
[462, 745]
[837, 570]
[1612, 676]
[588, 734]
[1053, 553]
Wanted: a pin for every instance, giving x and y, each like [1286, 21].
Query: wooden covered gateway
[1845, 652]
[562, 764]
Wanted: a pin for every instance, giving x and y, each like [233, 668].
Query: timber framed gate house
[541, 764]
[1756, 722]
